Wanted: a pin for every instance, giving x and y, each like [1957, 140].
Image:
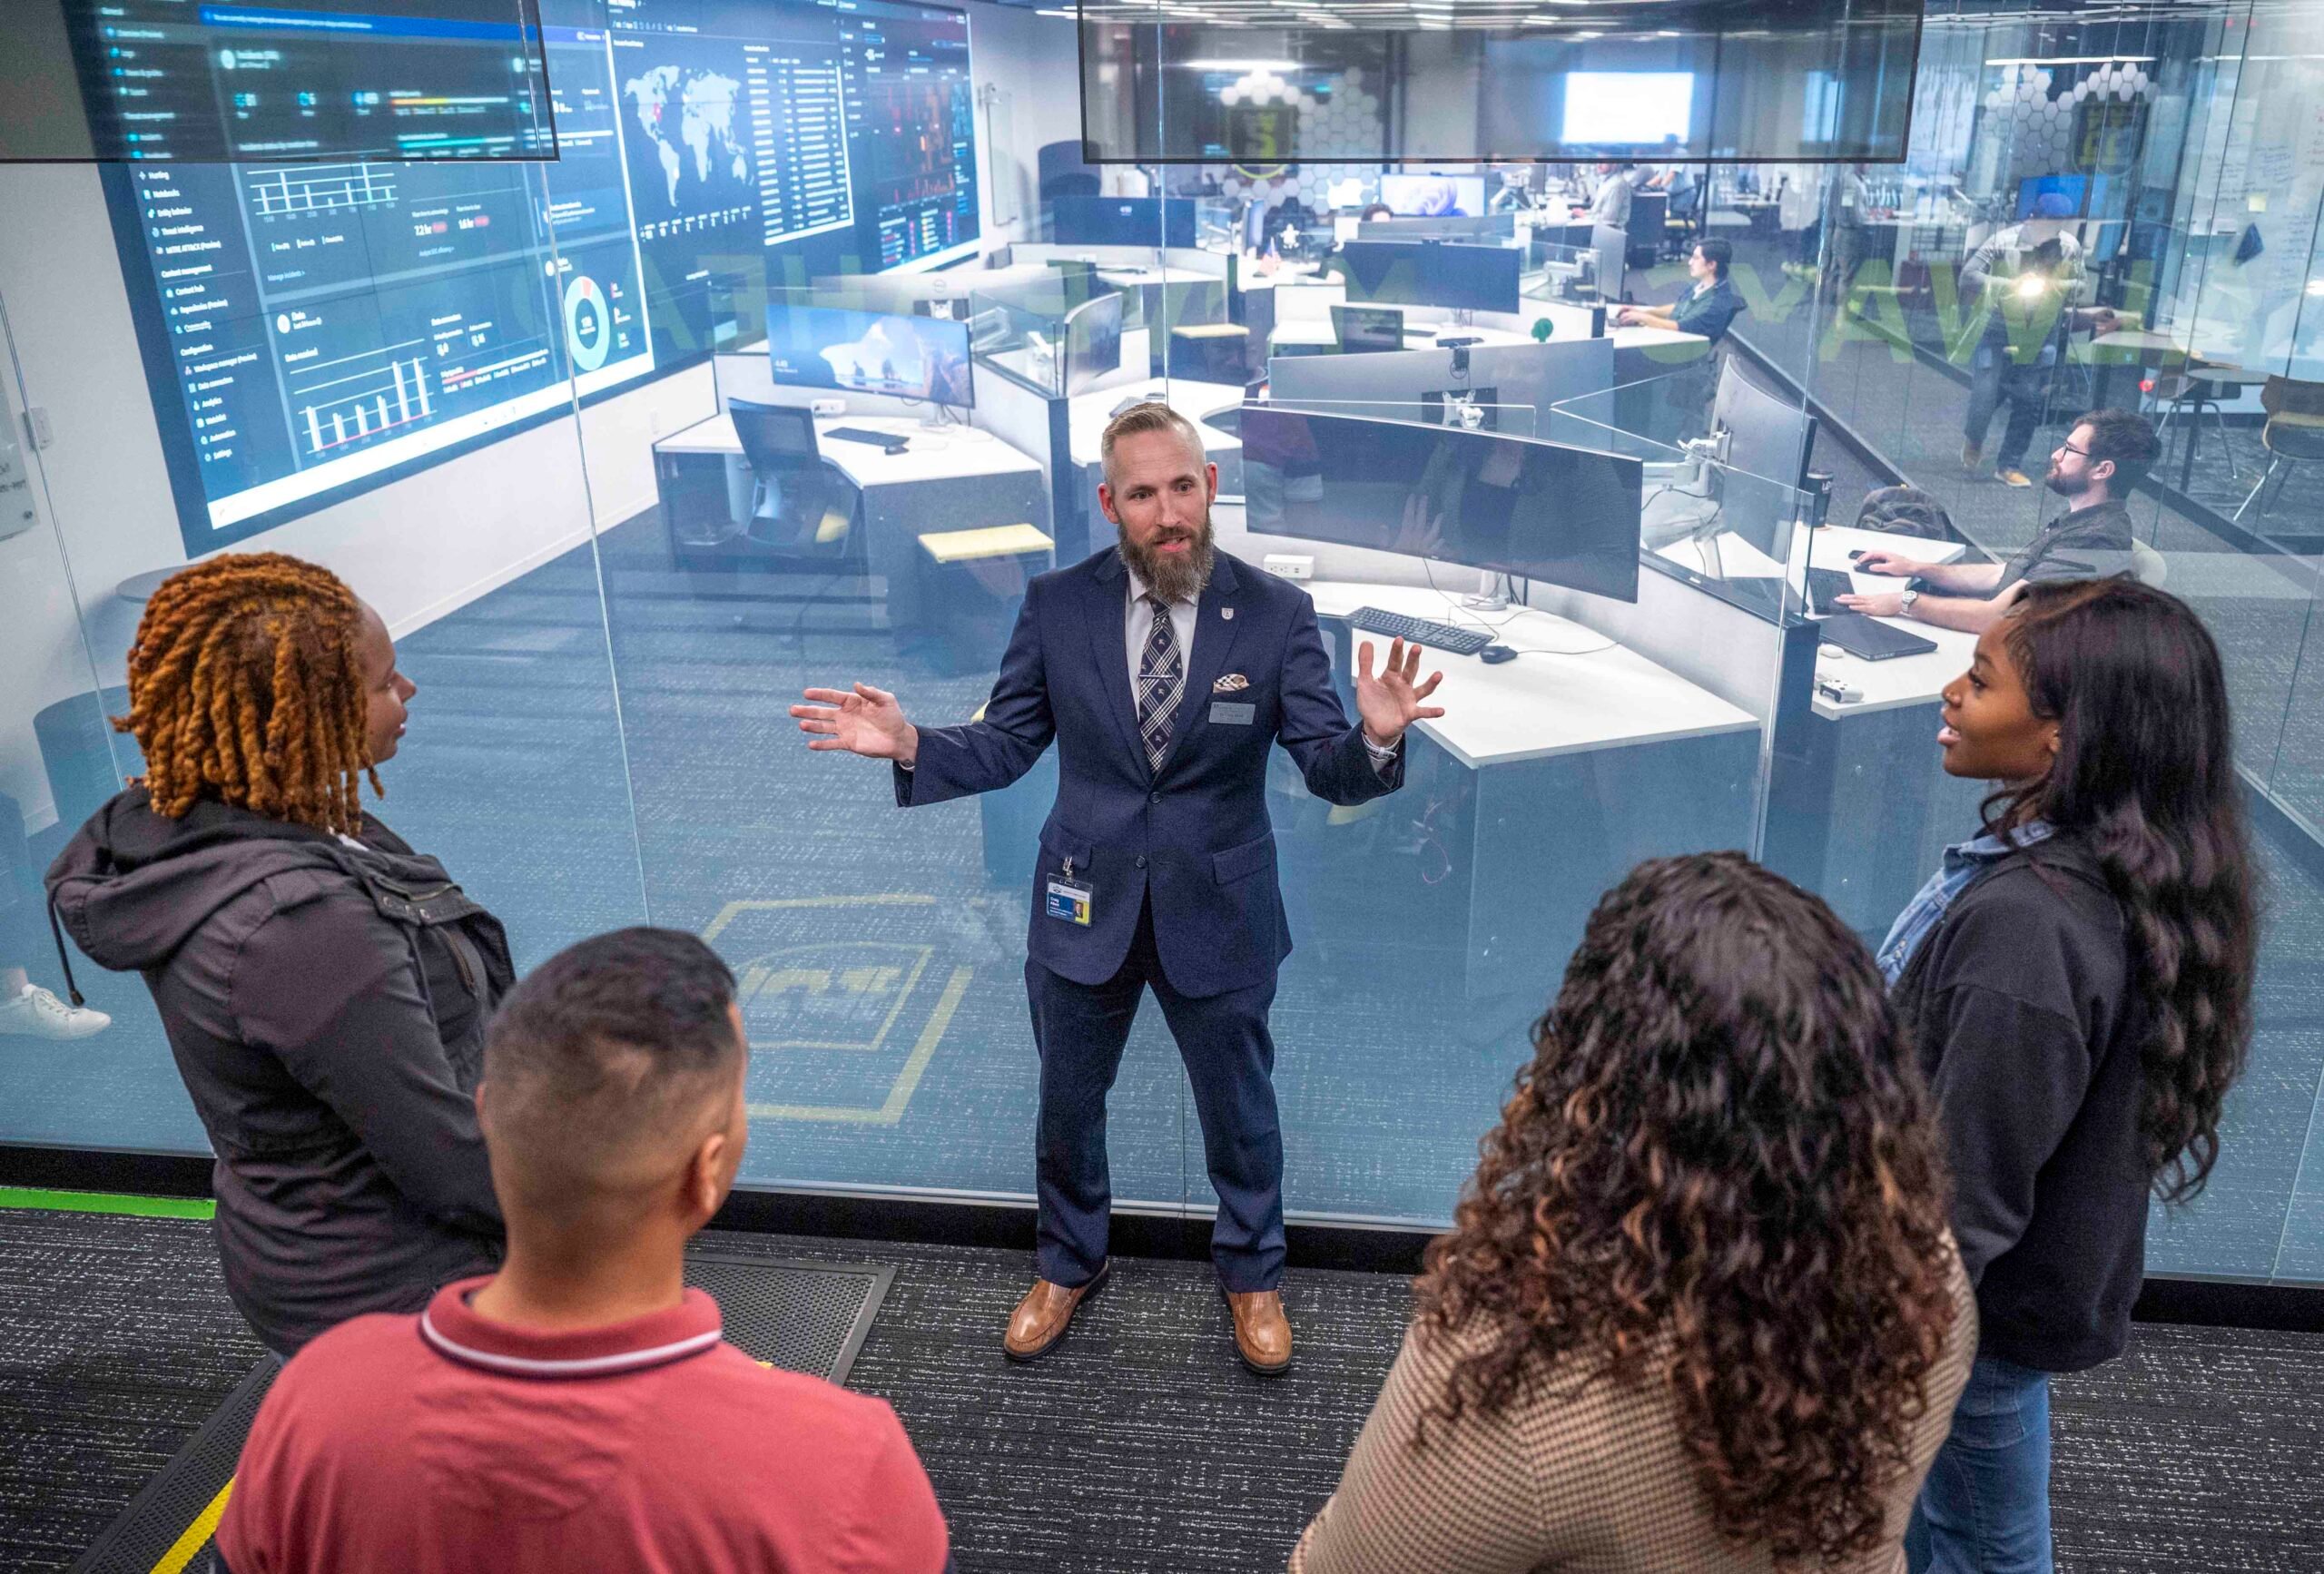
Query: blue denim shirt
[1964, 861]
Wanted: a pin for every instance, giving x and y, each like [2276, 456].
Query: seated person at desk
[1611, 204]
[1707, 308]
[2094, 470]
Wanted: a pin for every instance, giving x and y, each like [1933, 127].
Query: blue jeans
[1986, 1506]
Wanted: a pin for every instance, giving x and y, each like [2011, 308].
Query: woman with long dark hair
[1698, 1309]
[2077, 980]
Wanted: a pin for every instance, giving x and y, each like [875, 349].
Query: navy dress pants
[1080, 1031]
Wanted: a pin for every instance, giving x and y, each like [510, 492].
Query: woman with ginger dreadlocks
[324, 988]
[1698, 1309]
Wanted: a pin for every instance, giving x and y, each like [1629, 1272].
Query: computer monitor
[919, 357]
[2086, 194]
[1450, 274]
[1566, 515]
[1122, 221]
[1363, 330]
[1768, 441]
[1433, 196]
[1093, 341]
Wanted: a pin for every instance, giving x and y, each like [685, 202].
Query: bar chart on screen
[368, 395]
[319, 189]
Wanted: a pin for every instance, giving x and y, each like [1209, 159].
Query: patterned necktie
[1161, 681]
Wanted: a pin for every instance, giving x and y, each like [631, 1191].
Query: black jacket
[327, 1008]
[2023, 1007]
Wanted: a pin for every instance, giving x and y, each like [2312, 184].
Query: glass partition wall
[841, 466]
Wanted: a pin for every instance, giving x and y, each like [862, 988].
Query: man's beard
[1175, 577]
[2063, 488]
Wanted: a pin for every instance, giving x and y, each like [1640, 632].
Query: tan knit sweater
[1596, 1482]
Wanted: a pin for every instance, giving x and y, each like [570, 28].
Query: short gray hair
[1150, 416]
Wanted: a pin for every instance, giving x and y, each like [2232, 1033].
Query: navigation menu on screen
[327, 322]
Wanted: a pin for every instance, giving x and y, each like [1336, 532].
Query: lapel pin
[1226, 611]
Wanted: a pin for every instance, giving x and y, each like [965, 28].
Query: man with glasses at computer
[2095, 469]
[1165, 671]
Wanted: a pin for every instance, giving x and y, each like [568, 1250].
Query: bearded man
[1164, 669]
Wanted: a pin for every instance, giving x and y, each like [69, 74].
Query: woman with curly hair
[324, 988]
[1698, 1309]
[2077, 979]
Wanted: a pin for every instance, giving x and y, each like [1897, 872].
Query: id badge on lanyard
[1068, 899]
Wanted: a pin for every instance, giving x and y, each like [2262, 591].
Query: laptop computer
[1368, 329]
[1869, 639]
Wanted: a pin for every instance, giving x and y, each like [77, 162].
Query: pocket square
[1232, 684]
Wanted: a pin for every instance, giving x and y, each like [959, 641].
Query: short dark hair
[601, 1050]
[1718, 253]
[2128, 438]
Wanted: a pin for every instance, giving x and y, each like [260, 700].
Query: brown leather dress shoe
[1262, 1333]
[1044, 1314]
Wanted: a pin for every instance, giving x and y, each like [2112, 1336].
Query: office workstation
[688, 355]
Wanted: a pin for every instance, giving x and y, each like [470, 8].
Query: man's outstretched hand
[1391, 701]
[862, 720]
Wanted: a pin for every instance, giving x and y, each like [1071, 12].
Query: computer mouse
[1493, 656]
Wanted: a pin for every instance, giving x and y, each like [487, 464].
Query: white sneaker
[37, 1014]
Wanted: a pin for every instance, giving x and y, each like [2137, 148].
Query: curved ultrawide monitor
[1538, 510]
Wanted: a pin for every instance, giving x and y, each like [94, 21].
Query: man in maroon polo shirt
[579, 1410]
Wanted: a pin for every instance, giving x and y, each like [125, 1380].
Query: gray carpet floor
[1141, 1444]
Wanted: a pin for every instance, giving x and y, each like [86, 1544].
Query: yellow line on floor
[197, 1535]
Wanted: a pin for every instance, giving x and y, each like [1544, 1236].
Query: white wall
[1035, 61]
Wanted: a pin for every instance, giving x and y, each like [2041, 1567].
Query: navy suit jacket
[1194, 836]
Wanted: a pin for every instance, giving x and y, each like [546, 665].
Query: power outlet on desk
[829, 408]
[1283, 566]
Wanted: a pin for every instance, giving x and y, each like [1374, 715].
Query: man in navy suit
[1165, 670]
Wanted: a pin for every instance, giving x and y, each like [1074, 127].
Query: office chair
[2190, 393]
[2148, 566]
[2294, 434]
[798, 506]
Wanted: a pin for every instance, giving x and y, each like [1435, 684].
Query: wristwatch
[1904, 601]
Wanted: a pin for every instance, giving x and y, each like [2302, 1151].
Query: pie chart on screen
[588, 326]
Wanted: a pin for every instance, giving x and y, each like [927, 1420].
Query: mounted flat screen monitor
[1433, 196]
[294, 82]
[1629, 109]
[1687, 81]
[1122, 221]
[914, 357]
[1568, 517]
[2082, 196]
[314, 330]
[1447, 274]
[1093, 342]
[1768, 441]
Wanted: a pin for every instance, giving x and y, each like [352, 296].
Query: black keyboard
[1826, 587]
[887, 440]
[1441, 637]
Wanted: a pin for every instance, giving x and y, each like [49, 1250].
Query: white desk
[1912, 680]
[1087, 413]
[1540, 706]
[1548, 778]
[952, 454]
[1124, 278]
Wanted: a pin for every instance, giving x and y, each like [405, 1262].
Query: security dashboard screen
[311, 329]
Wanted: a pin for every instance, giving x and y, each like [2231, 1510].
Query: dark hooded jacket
[327, 1003]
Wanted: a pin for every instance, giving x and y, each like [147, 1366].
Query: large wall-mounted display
[310, 329]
